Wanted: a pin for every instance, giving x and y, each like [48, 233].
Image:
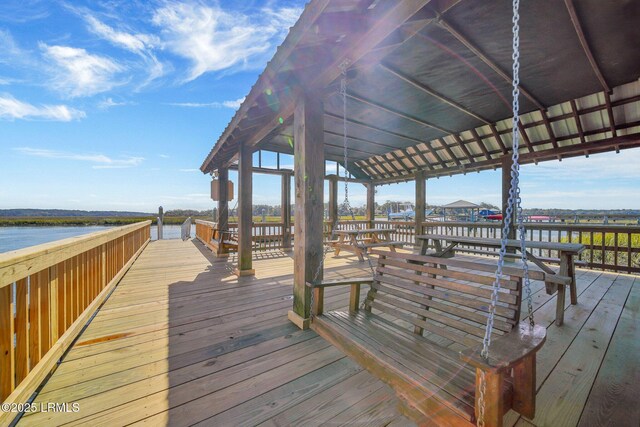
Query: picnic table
[566, 253]
[359, 241]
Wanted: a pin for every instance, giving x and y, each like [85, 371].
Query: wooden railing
[607, 247]
[48, 293]
[266, 235]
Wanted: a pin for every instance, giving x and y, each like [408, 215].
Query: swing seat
[421, 332]
[224, 240]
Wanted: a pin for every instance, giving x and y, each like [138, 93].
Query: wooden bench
[421, 332]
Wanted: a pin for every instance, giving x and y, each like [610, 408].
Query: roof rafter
[477, 52]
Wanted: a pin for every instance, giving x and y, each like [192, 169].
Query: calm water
[12, 238]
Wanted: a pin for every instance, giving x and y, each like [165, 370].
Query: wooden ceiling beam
[576, 118]
[585, 45]
[480, 55]
[449, 151]
[375, 128]
[478, 140]
[463, 147]
[612, 123]
[396, 168]
[426, 89]
[424, 159]
[620, 142]
[498, 138]
[401, 161]
[395, 112]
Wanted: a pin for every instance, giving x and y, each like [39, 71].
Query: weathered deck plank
[183, 341]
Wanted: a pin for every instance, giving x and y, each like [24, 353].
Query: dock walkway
[182, 341]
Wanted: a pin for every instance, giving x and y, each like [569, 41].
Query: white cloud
[100, 161]
[164, 156]
[190, 170]
[214, 39]
[79, 73]
[224, 104]
[11, 109]
[140, 44]
[109, 102]
[132, 42]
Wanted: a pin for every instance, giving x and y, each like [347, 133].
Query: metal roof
[460, 204]
[429, 84]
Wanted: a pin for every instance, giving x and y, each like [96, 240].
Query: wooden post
[333, 203]
[245, 211]
[507, 161]
[308, 131]
[223, 208]
[285, 211]
[371, 203]
[421, 200]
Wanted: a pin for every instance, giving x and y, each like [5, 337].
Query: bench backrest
[447, 298]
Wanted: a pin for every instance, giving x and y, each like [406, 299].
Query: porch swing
[445, 333]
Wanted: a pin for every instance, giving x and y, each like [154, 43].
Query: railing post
[160, 222]
[421, 201]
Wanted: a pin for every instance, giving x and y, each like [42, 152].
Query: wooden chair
[421, 332]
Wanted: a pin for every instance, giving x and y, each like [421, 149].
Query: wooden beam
[547, 125]
[268, 171]
[395, 112]
[498, 138]
[585, 45]
[426, 89]
[397, 169]
[285, 211]
[422, 157]
[464, 148]
[525, 137]
[601, 146]
[371, 202]
[421, 199]
[478, 139]
[333, 201]
[399, 160]
[245, 211]
[223, 206]
[309, 206]
[612, 123]
[507, 162]
[576, 118]
[375, 128]
[478, 53]
[409, 157]
[449, 151]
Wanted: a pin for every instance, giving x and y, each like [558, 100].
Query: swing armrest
[507, 350]
[341, 282]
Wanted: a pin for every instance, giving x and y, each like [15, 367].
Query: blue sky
[114, 105]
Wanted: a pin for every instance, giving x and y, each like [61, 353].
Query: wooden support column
[245, 211]
[507, 161]
[421, 200]
[223, 208]
[285, 211]
[371, 203]
[308, 130]
[333, 203]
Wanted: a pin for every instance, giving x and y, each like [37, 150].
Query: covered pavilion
[428, 95]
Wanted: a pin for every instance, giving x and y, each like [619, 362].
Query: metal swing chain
[514, 202]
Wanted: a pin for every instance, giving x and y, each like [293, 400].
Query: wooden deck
[181, 341]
